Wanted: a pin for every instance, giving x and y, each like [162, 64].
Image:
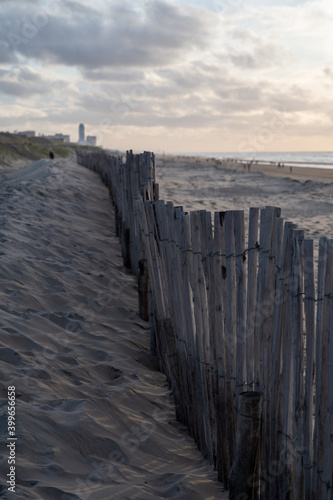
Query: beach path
[95, 420]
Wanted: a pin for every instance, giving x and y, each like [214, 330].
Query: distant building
[91, 140]
[59, 137]
[28, 133]
[81, 134]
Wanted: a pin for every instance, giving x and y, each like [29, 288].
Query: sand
[95, 420]
[305, 195]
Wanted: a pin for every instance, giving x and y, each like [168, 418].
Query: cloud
[160, 66]
[328, 73]
[247, 50]
[260, 57]
[10, 114]
[194, 96]
[115, 75]
[23, 82]
[82, 36]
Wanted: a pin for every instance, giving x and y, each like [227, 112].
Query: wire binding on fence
[257, 248]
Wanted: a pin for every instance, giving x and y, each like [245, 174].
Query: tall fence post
[242, 474]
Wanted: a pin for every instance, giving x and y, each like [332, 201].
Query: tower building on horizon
[81, 134]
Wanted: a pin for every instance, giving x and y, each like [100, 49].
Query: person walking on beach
[51, 154]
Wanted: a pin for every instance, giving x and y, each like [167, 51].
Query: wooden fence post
[230, 336]
[201, 323]
[242, 474]
[322, 365]
[126, 247]
[309, 307]
[219, 271]
[143, 289]
[251, 297]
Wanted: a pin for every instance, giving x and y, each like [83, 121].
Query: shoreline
[268, 169]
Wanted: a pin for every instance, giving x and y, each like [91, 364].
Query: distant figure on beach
[51, 154]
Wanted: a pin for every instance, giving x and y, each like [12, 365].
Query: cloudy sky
[173, 75]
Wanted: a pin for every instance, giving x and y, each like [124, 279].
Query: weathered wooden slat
[173, 216]
[309, 306]
[251, 296]
[277, 367]
[327, 476]
[230, 331]
[201, 315]
[322, 327]
[298, 346]
[240, 276]
[223, 466]
[190, 328]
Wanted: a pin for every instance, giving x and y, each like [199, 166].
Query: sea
[319, 159]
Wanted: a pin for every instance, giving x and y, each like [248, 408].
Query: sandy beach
[269, 169]
[95, 420]
[305, 195]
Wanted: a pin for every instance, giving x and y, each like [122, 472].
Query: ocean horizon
[314, 159]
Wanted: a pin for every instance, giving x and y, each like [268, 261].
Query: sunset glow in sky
[215, 75]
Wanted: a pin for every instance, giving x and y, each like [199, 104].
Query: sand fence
[242, 329]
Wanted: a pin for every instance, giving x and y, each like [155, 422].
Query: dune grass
[17, 147]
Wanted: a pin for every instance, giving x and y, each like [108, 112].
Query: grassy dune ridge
[14, 148]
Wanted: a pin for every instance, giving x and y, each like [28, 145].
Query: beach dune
[95, 420]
